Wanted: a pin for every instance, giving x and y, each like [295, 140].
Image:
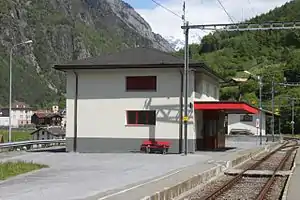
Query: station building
[116, 101]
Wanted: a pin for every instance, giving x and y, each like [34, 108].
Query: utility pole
[293, 116]
[186, 81]
[260, 109]
[241, 27]
[273, 110]
[279, 127]
[10, 86]
[181, 143]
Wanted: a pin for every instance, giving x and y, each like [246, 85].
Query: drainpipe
[180, 112]
[75, 112]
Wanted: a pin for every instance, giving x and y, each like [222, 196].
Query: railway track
[262, 178]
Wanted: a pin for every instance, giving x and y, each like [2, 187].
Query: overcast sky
[198, 12]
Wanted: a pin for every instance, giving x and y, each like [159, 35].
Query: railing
[26, 145]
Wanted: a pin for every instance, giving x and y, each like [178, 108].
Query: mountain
[63, 30]
[270, 54]
[178, 44]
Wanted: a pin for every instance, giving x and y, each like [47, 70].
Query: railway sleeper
[257, 173]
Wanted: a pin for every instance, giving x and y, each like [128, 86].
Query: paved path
[293, 190]
[140, 190]
[12, 154]
[90, 176]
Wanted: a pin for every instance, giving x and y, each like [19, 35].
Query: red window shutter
[141, 83]
[141, 117]
[136, 117]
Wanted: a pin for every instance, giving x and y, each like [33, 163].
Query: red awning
[229, 107]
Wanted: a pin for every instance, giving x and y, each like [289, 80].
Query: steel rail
[264, 191]
[238, 177]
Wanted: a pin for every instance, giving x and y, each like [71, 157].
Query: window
[144, 117]
[207, 89]
[246, 118]
[141, 83]
[215, 92]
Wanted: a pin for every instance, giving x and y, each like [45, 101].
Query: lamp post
[259, 79]
[10, 83]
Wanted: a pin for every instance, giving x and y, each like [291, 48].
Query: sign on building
[246, 118]
[257, 123]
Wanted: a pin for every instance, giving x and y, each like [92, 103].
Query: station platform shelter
[210, 121]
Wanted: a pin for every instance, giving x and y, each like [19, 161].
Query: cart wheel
[164, 151]
[147, 149]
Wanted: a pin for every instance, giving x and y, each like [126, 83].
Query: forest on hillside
[272, 54]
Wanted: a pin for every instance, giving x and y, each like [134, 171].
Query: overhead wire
[166, 8]
[221, 4]
[251, 7]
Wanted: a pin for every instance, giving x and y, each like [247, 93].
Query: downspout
[181, 112]
[75, 112]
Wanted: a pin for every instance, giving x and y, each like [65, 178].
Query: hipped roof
[135, 58]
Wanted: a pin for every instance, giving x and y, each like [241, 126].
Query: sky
[198, 12]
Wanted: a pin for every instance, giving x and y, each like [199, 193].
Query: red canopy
[229, 107]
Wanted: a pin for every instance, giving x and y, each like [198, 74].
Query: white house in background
[4, 118]
[116, 101]
[48, 133]
[249, 123]
[21, 114]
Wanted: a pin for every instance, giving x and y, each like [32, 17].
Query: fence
[32, 144]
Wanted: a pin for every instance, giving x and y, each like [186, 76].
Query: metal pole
[260, 109]
[273, 117]
[10, 85]
[182, 91]
[10, 93]
[279, 126]
[293, 117]
[186, 70]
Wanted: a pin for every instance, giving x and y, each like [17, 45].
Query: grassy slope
[16, 135]
[10, 169]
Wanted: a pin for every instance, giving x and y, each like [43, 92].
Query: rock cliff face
[63, 30]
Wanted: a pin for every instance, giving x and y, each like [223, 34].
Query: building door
[199, 130]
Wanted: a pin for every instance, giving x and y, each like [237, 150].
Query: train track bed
[271, 162]
[247, 188]
[275, 191]
[206, 190]
[263, 177]
[289, 163]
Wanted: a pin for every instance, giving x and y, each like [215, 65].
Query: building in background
[63, 113]
[48, 133]
[4, 118]
[248, 124]
[21, 115]
[46, 119]
[55, 109]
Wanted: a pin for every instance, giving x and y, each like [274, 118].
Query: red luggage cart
[151, 146]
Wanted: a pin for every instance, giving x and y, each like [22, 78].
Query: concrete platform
[234, 172]
[117, 176]
[294, 182]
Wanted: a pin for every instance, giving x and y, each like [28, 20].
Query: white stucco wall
[4, 121]
[21, 117]
[207, 88]
[103, 101]
[235, 123]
